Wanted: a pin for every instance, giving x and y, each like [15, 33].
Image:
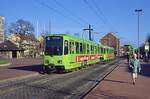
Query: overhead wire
[57, 11]
[72, 14]
[93, 10]
[96, 10]
[104, 17]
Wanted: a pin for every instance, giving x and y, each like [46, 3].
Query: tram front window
[54, 45]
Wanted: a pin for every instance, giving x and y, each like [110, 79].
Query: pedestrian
[128, 57]
[135, 65]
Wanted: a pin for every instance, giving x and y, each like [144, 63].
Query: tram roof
[80, 39]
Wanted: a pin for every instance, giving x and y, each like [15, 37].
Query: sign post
[146, 49]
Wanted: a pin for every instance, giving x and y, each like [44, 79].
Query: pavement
[118, 84]
[19, 68]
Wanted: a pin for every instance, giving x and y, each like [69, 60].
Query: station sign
[146, 46]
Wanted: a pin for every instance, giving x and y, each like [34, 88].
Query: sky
[72, 16]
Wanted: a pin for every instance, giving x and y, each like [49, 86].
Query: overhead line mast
[89, 29]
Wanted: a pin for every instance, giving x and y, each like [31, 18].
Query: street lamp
[138, 12]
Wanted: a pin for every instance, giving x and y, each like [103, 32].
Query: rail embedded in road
[72, 85]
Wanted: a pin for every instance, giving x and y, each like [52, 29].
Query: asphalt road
[73, 85]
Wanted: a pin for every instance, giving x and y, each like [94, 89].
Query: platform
[118, 84]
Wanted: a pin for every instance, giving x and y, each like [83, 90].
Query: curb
[19, 78]
[5, 64]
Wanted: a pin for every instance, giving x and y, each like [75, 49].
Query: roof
[109, 33]
[26, 37]
[9, 46]
[73, 37]
[80, 39]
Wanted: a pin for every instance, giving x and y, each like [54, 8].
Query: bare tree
[22, 28]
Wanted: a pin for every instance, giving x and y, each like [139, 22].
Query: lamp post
[138, 13]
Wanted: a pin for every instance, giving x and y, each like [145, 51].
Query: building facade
[9, 50]
[30, 44]
[111, 40]
[2, 20]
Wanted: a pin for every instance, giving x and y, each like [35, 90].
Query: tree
[22, 28]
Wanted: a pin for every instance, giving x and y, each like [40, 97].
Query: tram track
[72, 85]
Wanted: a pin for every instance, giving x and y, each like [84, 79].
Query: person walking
[136, 67]
[128, 57]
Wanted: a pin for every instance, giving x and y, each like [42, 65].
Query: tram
[65, 52]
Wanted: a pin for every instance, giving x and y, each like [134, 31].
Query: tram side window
[103, 50]
[65, 47]
[92, 49]
[98, 50]
[84, 48]
[71, 47]
[81, 48]
[88, 49]
[95, 50]
[77, 48]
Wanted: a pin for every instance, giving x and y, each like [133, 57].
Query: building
[9, 50]
[30, 44]
[2, 20]
[111, 40]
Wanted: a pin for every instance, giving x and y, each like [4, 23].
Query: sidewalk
[118, 85]
[20, 68]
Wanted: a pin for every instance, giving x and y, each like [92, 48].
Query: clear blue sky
[109, 16]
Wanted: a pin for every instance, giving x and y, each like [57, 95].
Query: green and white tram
[66, 52]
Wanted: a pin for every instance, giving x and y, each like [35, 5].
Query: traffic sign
[146, 46]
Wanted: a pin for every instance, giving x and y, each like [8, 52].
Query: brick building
[111, 40]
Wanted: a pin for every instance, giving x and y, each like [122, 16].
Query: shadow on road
[117, 81]
[145, 70]
[109, 95]
[34, 68]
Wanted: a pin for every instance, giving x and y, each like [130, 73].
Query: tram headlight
[59, 61]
